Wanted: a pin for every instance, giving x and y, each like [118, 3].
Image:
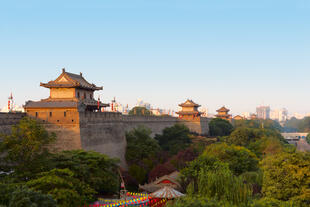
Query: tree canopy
[220, 127]
[95, 169]
[36, 177]
[63, 187]
[297, 125]
[25, 149]
[239, 159]
[140, 145]
[258, 124]
[175, 138]
[140, 111]
[24, 197]
[287, 177]
[141, 153]
[210, 178]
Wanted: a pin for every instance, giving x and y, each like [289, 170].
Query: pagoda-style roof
[189, 103]
[223, 109]
[238, 117]
[70, 80]
[51, 104]
[63, 104]
[188, 112]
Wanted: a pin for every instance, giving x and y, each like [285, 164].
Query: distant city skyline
[240, 54]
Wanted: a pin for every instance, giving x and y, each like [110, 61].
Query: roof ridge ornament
[63, 70]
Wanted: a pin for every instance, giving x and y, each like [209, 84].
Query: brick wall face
[7, 120]
[97, 131]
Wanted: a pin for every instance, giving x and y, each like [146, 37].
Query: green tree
[175, 138]
[95, 169]
[140, 111]
[287, 177]
[240, 159]
[197, 201]
[63, 187]
[308, 138]
[6, 190]
[260, 141]
[270, 202]
[297, 125]
[141, 153]
[220, 127]
[258, 124]
[243, 136]
[138, 172]
[24, 197]
[140, 145]
[212, 179]
[25, 149]
[220, 184]
[189, 175]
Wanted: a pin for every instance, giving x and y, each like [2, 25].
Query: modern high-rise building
[263, 112]
[279, 114]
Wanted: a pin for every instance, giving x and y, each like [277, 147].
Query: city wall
[102, 132]
[7, 120]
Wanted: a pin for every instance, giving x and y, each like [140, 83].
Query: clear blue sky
[239, 53]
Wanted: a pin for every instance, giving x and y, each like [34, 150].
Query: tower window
[51, 114]
[91, 96]
[84, 95]
[78, 94]
[36, 114]
[65, 114]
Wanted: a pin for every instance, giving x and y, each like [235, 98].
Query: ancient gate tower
[68, 93]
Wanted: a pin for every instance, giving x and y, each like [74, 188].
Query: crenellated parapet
[103, 132]
[7, 120]
[10, 118]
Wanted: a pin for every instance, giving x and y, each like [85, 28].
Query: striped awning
[167, 192]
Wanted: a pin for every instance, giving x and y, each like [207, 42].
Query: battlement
[10, 118]
[103, 132]
[135, 118]
[98, 117]
[7, 120]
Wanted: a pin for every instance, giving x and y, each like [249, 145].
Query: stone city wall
[102, 132]
[7, 120]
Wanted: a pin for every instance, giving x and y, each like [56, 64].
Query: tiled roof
[62, 104]
[51, 104]
[189, 103]
[72, 81]
[156, 185]
[188, 112]
[223, 109]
